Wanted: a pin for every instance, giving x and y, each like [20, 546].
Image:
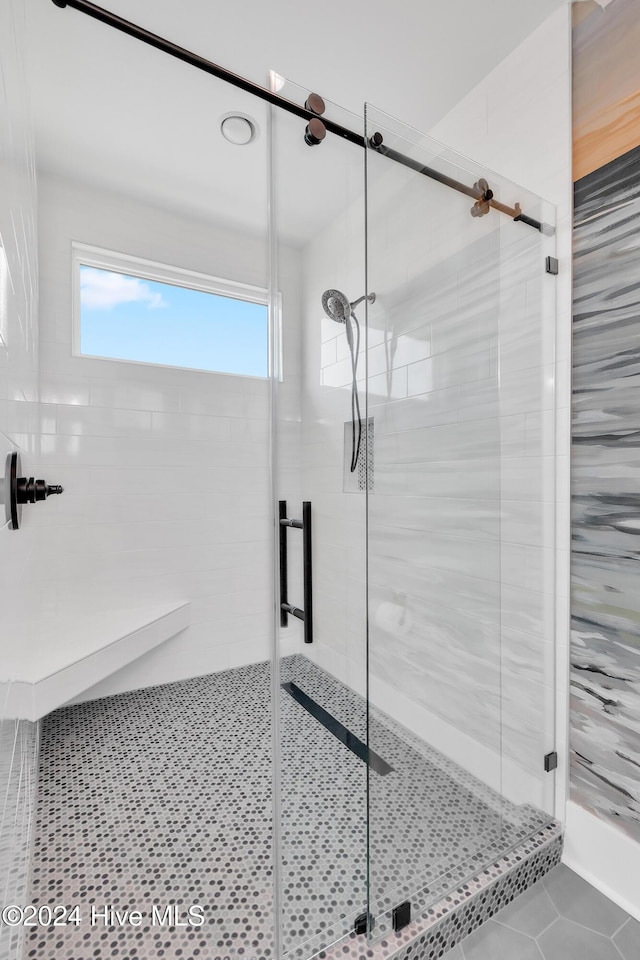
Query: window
[145, 312]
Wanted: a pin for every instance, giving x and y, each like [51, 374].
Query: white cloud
[102, 290]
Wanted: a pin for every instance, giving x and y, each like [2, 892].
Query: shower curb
[460, 913]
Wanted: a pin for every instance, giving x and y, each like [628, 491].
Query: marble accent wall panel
[605, 653]
[605, 604]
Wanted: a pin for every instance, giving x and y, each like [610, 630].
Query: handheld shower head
[337, 307]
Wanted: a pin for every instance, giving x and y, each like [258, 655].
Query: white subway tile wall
[18, 776]
[20, 415]
[166, 471]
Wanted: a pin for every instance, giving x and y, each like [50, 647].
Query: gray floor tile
[492, 940]
[627, 940]
[530, 913]
[455, 954]
[165, 792]
[565, 940]
[577, 900]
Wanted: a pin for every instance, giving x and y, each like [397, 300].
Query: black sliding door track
[181, 53]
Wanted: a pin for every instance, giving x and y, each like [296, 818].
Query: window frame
[86, 255]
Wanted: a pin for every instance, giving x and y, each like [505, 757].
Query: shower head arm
[371, 298]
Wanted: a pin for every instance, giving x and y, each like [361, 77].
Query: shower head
[337, 307]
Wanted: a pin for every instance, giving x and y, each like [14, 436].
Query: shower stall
[372, 770]
[425, 702]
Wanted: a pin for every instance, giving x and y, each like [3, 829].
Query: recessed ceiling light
[239, 129]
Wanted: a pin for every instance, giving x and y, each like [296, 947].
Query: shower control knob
[16, 491]
[30, 490]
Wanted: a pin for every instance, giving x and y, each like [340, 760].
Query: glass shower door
[319, 674]
[460, 682]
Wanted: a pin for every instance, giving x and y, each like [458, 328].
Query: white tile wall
[18, 775]
[334, 259]
[166, 471]
[19, 415]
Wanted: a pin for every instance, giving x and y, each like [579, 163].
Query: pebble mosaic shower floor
[162, 798]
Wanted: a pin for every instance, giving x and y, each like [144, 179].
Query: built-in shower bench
[52, 662]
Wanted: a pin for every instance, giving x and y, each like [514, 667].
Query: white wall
[433, 58]
[18, 266]
[421, 682]
[18, 390]
[166, 471]
[334, 259]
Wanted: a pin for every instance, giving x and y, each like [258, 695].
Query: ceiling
[111, 111]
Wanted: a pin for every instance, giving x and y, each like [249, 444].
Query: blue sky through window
[128, 318]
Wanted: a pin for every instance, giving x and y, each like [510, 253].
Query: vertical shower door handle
[288, 609]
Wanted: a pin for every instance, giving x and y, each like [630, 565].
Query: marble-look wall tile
[461, 616]
[605, 601]
[464, 304]
[462, 489]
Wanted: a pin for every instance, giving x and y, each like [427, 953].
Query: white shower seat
[53, 661]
